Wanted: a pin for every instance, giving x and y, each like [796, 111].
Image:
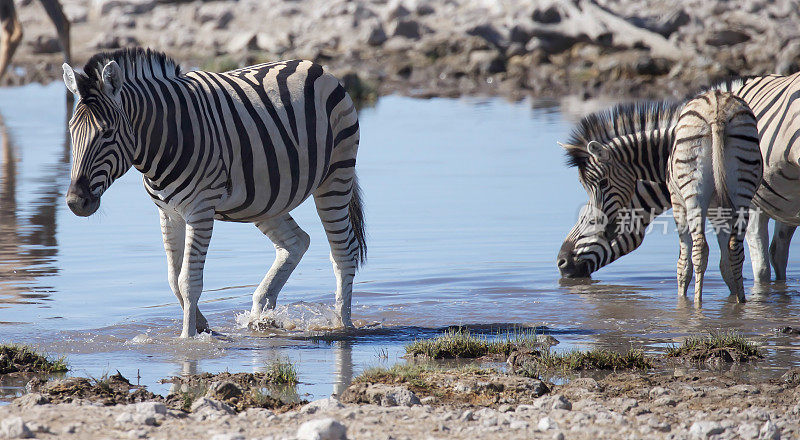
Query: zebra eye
[602, 183]
[106, 133]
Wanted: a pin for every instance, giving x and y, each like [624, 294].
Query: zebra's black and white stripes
[638, 136]
[714, 171]
[247, 145]
[774, 100]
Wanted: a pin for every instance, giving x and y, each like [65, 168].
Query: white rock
[556, 401]
[14, 427]
[546, 423]
[328, 404]
[151, 408]
[705, 429]
[225, 436]
[322, 429]
[31, 399]
[769, 431]
[204, 404]
[748, 430]
[242, 42]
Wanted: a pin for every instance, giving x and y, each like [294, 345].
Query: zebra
[773, 100]
[585, 250]
[714, 170]
[248, 145]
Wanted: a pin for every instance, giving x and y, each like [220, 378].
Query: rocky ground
[678, 404]
[625, 48]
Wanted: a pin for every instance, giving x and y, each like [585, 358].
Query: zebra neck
[160, 112]
[647, 154]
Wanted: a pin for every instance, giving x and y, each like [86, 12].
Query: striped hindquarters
[716, 152]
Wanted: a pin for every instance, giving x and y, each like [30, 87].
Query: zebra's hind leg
[291, 244]
[758, 242]
[333, 206]
[779, 249]
[684, 262]
[697, 229]
[736, 255]
[722, 229]
[173, 230]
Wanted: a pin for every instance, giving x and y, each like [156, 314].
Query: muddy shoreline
[704, 388]
[683, 403]
[614, 48]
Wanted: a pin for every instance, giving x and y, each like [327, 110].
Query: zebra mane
[729, 84]
[619, 120]
[134, 62]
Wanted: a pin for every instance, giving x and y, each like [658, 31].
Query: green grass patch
[719, 344]
[281, 372]
[581, 360]
[461, 343]
[22, 358]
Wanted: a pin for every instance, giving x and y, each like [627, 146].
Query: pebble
[322, 429]
[546, 423]
[705, 429]
[328, 404]
[14, 427]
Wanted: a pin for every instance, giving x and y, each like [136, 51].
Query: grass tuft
[281, 372]
[460, 343]
[22, 358]
[701, 348]
[578, 360]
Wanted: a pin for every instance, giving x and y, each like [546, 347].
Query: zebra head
[609, 184]
[102, 136]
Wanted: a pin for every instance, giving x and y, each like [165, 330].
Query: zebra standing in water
[626, 128]
[714, 171]
[773, 100]
[247, 145]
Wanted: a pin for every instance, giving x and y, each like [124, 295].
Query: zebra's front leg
[173, 230]
[758, 241]
[190, 280]
[291, 243]
[779, 249]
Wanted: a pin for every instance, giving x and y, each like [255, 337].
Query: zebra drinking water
[247, 145]
[621, 132]
[774, 99]
[714, 171]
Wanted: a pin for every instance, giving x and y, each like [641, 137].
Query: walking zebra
[247, 145]
[773, 100]
[714, 171]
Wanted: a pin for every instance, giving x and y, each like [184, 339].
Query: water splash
[296, 317]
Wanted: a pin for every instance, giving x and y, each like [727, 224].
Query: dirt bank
[675, 404]
[621, 48]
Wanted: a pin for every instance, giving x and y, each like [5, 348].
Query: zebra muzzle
[80, 200]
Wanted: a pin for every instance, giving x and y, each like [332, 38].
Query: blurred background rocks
[626, 48]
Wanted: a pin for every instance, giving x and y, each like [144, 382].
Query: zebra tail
[356, 211]
[719, 164]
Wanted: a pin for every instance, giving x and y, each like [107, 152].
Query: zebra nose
[80, 200]
[562, 263]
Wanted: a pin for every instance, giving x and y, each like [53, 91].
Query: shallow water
[467, 202]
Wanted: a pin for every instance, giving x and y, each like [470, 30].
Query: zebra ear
[69, 79]
[112, 79]
[598, 150]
